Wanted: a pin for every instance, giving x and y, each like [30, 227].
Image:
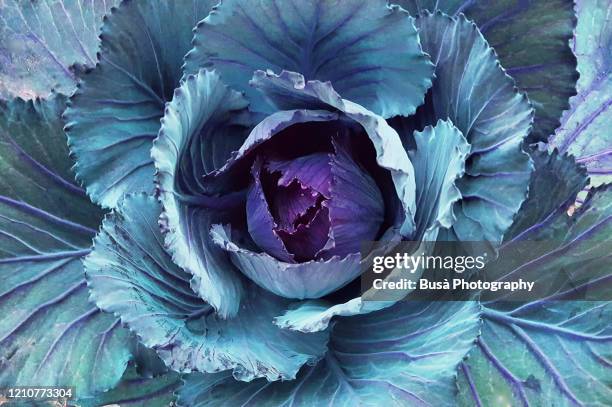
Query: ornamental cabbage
[232, 176]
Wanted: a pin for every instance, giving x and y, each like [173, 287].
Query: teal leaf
[50, 334]
[43, 44]
[553, 188]
[439, 161]
[147, 361]
[369, 51]
[131, 275]
[311, 279]
[114, 115]
[316, 315]
[203, 124]
[585, 127]
[404, 355]
[473, 91]
[137, 390]
[531, 39]
[549, 351]
[420, 7]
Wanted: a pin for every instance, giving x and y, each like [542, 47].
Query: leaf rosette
[274, 164]
[245, 164]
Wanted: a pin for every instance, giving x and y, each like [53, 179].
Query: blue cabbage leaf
[146, 382]
[311, 279]
[131, 275]
[549, 350]
[439, 161]
[114, 115]
[531, 39]
[368, 50]
[473, 91]
[585, 127]
[405, 355]
[146, 361]
[137, 390]
[50, 334]
[205, 122]
[45, 44]
[558, 178]
[316, 315]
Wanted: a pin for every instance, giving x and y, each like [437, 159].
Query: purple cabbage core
[300, 207]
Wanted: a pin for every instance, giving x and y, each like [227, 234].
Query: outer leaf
[558, 179]
[439, 160]
[316, 315]
[401, 356]
[146, 361]
[531, 39]
[49, 333]
[585, 127]
[131, 275]
[44, 43]
[472, 90]
[203, 124]
[138, 391]
[368, 50]
[114, 115]
[550, 351]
